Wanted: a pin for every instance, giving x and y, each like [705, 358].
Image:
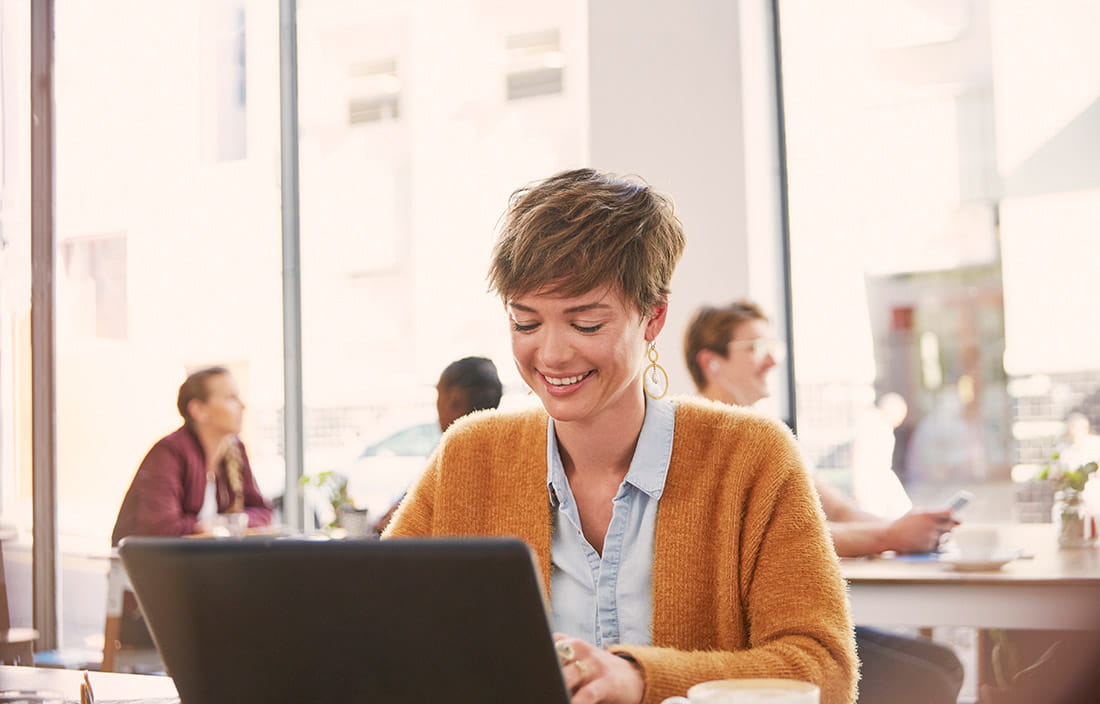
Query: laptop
[262, 620]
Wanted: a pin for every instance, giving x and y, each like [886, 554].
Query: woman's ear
[656, 321]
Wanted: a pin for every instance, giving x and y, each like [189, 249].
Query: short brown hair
[712, 328]
[582, 229]
[194, 387]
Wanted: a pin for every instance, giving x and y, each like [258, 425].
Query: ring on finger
[565, 651]
[582, 669]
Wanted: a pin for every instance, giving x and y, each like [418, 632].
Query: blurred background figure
[198, 473]
[947, 444]
[875, 485]
[1079, 445]
[729, 351]
[466, 385]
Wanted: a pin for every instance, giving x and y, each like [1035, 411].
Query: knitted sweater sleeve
[787, 606]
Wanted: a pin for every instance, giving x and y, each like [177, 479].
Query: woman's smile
[561, 385]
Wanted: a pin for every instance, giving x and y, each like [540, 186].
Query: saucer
[986, 564]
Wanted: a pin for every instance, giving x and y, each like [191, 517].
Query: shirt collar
[648, 466]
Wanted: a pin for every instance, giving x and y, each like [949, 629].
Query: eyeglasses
[762, 348]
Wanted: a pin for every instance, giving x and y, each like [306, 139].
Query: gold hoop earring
[654, 378]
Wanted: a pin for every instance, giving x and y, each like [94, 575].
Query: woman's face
[223, 411]
[582, 355]
[743, 374]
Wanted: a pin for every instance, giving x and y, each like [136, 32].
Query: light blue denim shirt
[609, 599]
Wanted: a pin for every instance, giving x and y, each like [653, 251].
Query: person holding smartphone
[730, 351]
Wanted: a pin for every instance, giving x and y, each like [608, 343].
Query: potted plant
[1076, 526]
[336, 485]
[348, 521]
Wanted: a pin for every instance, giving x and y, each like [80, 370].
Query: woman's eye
[587, 328]
[518, 327]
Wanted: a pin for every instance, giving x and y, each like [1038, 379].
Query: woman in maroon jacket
[197, 472]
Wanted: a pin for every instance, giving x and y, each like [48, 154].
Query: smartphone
[959, 500]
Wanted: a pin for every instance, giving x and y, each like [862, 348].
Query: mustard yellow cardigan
[745, 578]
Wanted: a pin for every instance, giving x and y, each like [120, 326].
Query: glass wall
[417, 121]
[168, 249]
[944, 178]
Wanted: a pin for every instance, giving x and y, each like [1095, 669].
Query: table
[108, 687]
[1055, 589]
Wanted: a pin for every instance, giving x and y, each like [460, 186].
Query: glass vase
[1076, 527]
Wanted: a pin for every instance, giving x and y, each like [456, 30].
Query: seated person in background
[466, 385]
[197, 472]
[1079, 446]
[730, 351]
[647, 516]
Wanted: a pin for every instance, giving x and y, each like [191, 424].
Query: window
[375, 92]
[94, 286]
[943, 174]
[225, 85]
[535, 64]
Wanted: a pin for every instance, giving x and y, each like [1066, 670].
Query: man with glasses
[730, 351]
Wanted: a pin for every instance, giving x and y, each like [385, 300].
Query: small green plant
[1068, 478]
[336, 484]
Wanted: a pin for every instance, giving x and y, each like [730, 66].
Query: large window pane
[418, 120]
[168, 249]
[944, 175]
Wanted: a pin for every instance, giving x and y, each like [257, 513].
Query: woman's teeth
[564, 380]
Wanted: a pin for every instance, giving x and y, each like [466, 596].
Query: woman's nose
[556, 349]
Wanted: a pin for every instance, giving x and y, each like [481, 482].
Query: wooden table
[108, 687]
[1054, 589]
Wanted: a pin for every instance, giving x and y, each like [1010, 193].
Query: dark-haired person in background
[466, 385]
[197, 472]
[730, 350]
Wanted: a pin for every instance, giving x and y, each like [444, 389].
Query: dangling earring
[654, 378]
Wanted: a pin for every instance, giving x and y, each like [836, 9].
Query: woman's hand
[595, 676]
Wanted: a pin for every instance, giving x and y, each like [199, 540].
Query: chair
[16, 644]
[119, 656]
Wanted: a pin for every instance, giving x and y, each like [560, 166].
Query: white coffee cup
[230, 524]
[750, 691]
[975, 541]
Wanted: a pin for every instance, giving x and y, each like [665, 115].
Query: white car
[385, 469]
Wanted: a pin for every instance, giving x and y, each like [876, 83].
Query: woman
[190, 477]
[679, 542]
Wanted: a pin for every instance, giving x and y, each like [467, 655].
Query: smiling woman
[646, 515]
